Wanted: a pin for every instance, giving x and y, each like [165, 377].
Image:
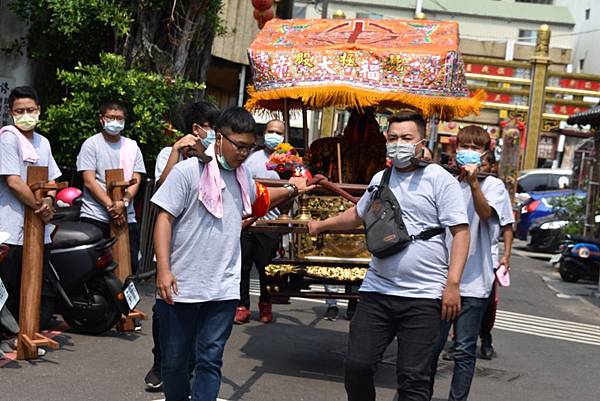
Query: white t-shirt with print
[478, 276]
[428, 198]
[12, 211]
[205, 251]
[99, 155]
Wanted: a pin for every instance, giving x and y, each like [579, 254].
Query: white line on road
[162, 399]
[511, 321]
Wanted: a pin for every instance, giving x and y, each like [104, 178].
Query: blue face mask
[210, 138]
[468, 156]
[114, 127]
[223, 162]
[272, 140]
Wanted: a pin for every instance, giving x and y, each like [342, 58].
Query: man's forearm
[172, 161]
[347, 220]
[162, 240]
[98, 193]
[482, 206]
[458, 254]
[276, 194]
[508, 236]
[22, 191]
[132, 190]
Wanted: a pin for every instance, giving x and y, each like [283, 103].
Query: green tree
[150, 99]
[160, 48]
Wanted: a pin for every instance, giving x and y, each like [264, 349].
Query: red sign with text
[498, 98]
[568, 110]
[489, 70]
[580, 84]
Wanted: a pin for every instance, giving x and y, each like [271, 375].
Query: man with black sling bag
[412, 283]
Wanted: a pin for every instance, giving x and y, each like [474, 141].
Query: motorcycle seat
[578, 238]
[63, 214]
[75, 233]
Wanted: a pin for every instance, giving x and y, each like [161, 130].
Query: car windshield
[543, 182]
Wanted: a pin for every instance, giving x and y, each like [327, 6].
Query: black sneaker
[351, 309]
[331, 313]
[153, 380]
[487, 349]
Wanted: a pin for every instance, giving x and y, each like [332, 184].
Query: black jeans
[10, 273]
[378, 319]
[258, 249]
[134, 239]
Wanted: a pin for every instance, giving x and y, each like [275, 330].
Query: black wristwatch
[292, 190]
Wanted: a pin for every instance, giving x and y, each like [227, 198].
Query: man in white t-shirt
[406, 295]
[197, 245]
[259, 249]
[21, 147]
[108, 149]
[199, 119]
[488, 210]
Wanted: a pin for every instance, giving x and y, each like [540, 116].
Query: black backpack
[384, 228]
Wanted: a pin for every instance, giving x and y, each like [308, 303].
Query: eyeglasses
[28, 110]
[241, 149]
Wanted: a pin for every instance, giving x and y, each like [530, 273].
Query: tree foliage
[150, 99]
[572, 209]
[159, 49]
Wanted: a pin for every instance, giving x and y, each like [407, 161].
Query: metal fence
[147, 266]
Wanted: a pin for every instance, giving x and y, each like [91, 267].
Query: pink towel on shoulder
[212, 185]
[127, 156]
[27, 149]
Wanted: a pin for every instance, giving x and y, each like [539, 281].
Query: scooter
[91, 298]
[579, 258]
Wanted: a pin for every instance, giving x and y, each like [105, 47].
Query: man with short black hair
[199, 119]
[21, 147]
[108, 149]
[406, 294]
[197, 244]
[488, 209]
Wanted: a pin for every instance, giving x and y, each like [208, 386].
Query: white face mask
[401, 153]
[114, 127]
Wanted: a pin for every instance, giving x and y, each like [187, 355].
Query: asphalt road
[547, 339]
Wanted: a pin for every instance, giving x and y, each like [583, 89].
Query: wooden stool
[32, 269]
[115, 188]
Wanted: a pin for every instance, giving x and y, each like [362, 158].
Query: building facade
[586, 35]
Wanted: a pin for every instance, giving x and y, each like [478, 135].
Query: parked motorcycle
[91, 298]
[579, 258]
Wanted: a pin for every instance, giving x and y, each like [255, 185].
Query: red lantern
[263, 16]
[262, 5]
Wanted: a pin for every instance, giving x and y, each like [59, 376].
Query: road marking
[539, 326]
[162, 399]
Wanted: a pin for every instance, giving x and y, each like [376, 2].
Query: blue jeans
[202, 327]
[467, 331]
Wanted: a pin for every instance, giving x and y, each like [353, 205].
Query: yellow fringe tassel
[342, 96]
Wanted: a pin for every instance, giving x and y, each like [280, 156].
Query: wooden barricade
[115, 188]
[32, 270]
